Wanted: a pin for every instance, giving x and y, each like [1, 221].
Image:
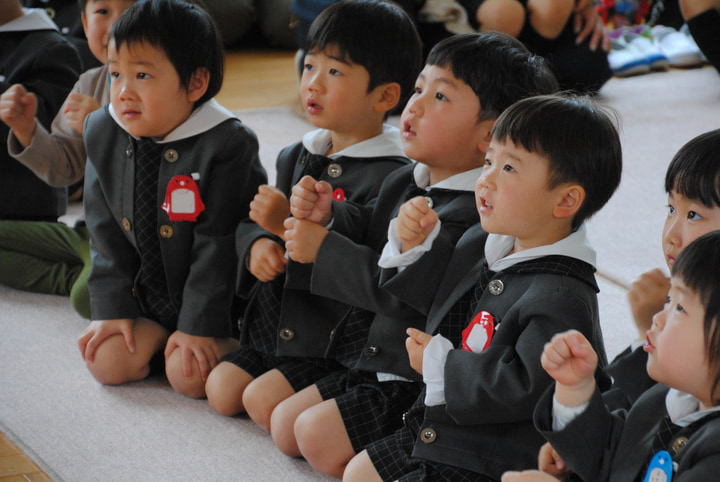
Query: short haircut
[184, 31]
[694, 171]
[376, 34]
[698, 266]
[577, 135]
[497, 67]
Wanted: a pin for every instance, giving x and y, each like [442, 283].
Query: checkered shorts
[299, 372]
[370, 409]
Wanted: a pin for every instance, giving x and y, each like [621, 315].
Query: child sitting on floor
[170, 174]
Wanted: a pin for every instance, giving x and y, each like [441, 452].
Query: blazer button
[50, 12]
[166, 231]
[496, 287]
[171, 155]
[126, 224]
[239, 324]
[286, 334]
[679, 443]
[427, 435]
[332, 334]
[429, 201]
[334, 170]
[404, 418]
[128, 151]
[371, 350]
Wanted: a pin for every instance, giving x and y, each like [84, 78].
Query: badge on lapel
[182, 199]
[660, 468]
[477, 336]
[339, 194]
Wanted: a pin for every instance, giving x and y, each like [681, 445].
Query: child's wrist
[576, 394]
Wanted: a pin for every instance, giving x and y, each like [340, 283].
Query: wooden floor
[253, 79]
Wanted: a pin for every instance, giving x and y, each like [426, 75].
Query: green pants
[50, 258]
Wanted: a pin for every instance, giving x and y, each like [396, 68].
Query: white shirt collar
[463, 181]
[202, 119]
[576, 245]
[683, 408]
[34, 19]
[386, 144]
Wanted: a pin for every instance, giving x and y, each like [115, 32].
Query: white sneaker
[679, 50]
[655, 59]
[626, 59]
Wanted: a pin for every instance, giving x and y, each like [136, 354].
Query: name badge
[477, 336]
[660, 468]
[182, 199]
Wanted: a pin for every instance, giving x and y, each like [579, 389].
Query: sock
[705, 29]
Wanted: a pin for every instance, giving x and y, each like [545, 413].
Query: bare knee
[361, 469]
[549, 17]
[693, 8]
[258, 404]
[224, 388]
[113, 363]
[313, 444]
[192, 386]
[507, 16]
[282, 425]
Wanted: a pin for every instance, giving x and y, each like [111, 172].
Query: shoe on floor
[643, 43]
[677, 47]
[626, 59]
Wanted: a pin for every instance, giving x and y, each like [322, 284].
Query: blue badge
[660, 469]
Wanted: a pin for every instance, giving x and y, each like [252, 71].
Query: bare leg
[263, 395]
[507, 16]
[224, 388]
[286, 413]
[361, 469]
[323, 440]
[549, 17]
[114, 364]
[194, 385]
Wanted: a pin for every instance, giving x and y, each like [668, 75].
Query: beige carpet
[78, 430]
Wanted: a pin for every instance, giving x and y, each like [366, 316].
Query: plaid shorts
[370, 409]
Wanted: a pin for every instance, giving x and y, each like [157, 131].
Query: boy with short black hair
[362, 58]
[170, 174]
[552, 163]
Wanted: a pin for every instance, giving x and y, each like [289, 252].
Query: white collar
[386, 144]
[202, 119]
[576, 245]
[34, 19]
[463, 181]
[683, 408]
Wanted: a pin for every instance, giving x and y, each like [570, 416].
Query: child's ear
[485, 134]
[198, 84]
[389, 96]
[570, 202]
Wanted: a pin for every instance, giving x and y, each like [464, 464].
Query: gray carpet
[78, 430]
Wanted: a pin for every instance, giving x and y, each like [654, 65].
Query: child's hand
[99, 331]
[647, 296]
[570, 359]
[312, 200]
[587, 21]
[17, 109]
[303, 239]
[203, 349]
[550, 462]
[528, 476]
[77, 107]
[414, 222]
[269, 208]
[267, 260]
[415, 344]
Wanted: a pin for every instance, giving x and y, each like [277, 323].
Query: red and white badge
[477, 335]
[339, 194]
[182, 199]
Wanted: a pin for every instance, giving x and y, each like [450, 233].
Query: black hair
[375, 34]
[497, 67]
[698, 266]
[185, 32]
[694, 171]
[577, 135]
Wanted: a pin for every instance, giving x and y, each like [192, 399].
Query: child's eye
[440, 96]
[335, 72]
[488, 162]
[308, 67]
[418, 90]
[114, 75]
[693, 216]
[142, 75]
[102, 11]
[679, 308]
[671, 210]
[508, 168]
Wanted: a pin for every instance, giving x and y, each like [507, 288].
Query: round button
[128, 152]
[428, 435]
[405, 418]
[334, 170]
[239, 324]
[496, 287]
[286, 334]
[679, 443]
[332, 334]
[171, 155]
[371, 350]
[166, 231]
[126, 224]
[429, 201]
[50, 12]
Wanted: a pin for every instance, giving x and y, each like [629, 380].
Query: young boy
[672, 431]
[551, 164]
[51, 257]
[363, 57]
[467, 82]
[170, 175]
[33, 58]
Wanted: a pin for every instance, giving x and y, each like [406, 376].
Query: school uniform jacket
[485, 424]
[347, 269]
[307, 319]
[600, 445]
[199, 257]
[34, 54]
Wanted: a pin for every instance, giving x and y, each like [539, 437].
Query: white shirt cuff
[563, 415]
[434, 358]
[391, 256]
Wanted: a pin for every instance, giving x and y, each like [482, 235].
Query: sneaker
[626, 59]
[679, 50]
[686, 31]
[641, 41]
